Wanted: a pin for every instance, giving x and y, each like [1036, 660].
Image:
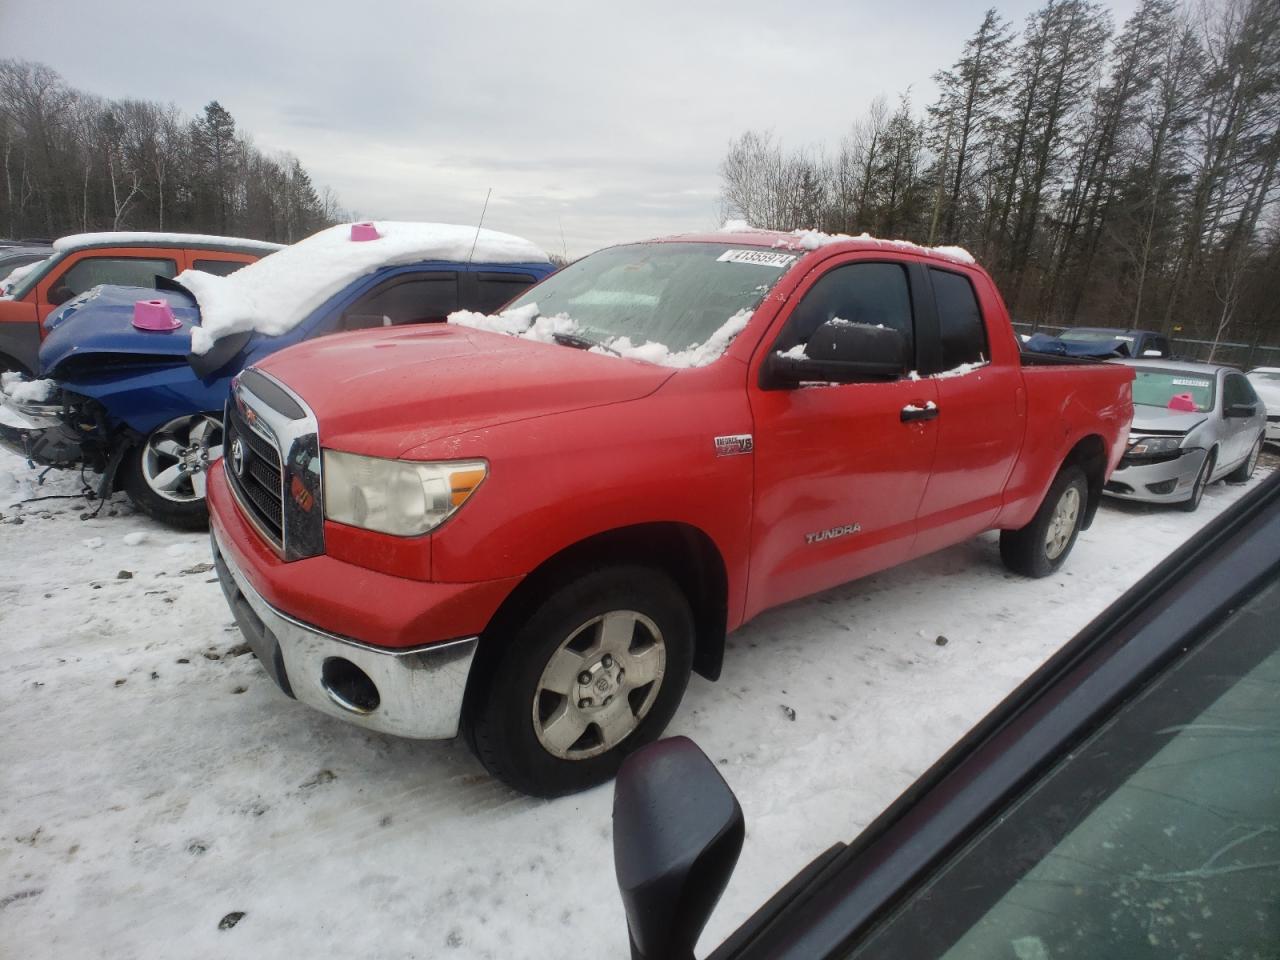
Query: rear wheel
[1042, 545]
[596, 671]
[165, 474]
[1192, 503]
[1242, 473]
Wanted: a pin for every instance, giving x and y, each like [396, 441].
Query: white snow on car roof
[813, 239]
[278, 292]
[122, 238]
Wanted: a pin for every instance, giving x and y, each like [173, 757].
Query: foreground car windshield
[1155, 388]
[676, 294]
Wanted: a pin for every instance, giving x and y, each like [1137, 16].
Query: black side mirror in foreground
[677, 833]
[1241, 410]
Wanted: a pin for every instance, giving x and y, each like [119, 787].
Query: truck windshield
[674, 294]
[1155, 388]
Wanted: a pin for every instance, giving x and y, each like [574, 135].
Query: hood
[101, 322]
[1162, 419]
[1269, 394]
[385, 392]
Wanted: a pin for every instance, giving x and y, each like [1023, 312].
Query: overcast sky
[605, 121]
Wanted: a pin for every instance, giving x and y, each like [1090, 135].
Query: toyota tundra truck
[531, 527]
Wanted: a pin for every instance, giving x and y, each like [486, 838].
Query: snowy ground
[154, 784]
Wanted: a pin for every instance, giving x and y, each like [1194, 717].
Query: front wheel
[1192, 503]
[1040, 548]
[1242, 473]
[596, 671]
[165, 474]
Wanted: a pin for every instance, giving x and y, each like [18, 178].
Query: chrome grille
[277, 484]
[258, 481]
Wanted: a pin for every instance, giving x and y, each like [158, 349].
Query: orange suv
[81, 262]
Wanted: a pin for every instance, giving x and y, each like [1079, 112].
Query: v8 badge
[735, 445]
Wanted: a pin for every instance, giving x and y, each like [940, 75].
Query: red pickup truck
[534, 525]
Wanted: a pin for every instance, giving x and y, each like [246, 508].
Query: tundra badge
[834, 532]
[735, 445]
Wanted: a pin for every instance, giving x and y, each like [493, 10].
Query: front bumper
[1172, 479]
[413, 693]
[36, 432]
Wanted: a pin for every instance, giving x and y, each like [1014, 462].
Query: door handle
[914, 411]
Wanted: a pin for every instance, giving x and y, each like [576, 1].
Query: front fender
[148, 398]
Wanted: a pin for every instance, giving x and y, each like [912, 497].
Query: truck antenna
[483, 210]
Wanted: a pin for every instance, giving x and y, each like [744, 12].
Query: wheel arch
[1090, 455]
[684, 552]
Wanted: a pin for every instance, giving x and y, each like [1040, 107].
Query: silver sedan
[1193, 423]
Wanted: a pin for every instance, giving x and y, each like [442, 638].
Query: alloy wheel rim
[599, 685]
[1062, 524]
[177, 456]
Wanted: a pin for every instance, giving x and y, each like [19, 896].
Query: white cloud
[608, 119]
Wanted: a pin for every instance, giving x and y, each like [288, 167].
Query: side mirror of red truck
[839, 351]
[677, 833]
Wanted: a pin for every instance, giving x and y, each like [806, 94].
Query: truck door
[981, 412]
[839, 471]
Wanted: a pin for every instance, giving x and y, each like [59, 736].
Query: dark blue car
[140, 407]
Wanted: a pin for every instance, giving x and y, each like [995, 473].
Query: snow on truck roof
[806, 240]
[126, 238]
[278, 292]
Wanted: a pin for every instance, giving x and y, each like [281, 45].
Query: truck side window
[123, 271]
[872, 293]
[219, 268]
[964, 337]
[420, 299]
[494, 290]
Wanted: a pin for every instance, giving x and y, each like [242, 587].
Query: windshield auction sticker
[761, 258]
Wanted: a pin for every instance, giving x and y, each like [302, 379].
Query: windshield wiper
[581, 343]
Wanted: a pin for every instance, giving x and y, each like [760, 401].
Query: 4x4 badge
[735, 445]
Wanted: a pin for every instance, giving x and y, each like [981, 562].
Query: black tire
[1192, 503]
[499, 717]
[1242, 473]
[1027, 551]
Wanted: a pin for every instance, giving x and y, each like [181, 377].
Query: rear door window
[89, 272]
[220, 268]
[494, 290]
[871, 293]
[425, 298]
[963, 334]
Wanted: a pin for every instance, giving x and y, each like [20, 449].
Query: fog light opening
[348, 686]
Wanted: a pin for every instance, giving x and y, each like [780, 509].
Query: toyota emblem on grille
[237, 457]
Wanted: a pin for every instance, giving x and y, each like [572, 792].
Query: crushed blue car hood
[101, 321]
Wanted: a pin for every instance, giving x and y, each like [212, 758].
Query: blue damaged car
[135, 379]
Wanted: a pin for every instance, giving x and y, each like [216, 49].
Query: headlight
[400, 497]
[1154, 446]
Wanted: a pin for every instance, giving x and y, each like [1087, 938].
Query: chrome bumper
[419, 691]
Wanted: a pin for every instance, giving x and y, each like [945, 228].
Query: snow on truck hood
[384, 392]
[275, 294]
